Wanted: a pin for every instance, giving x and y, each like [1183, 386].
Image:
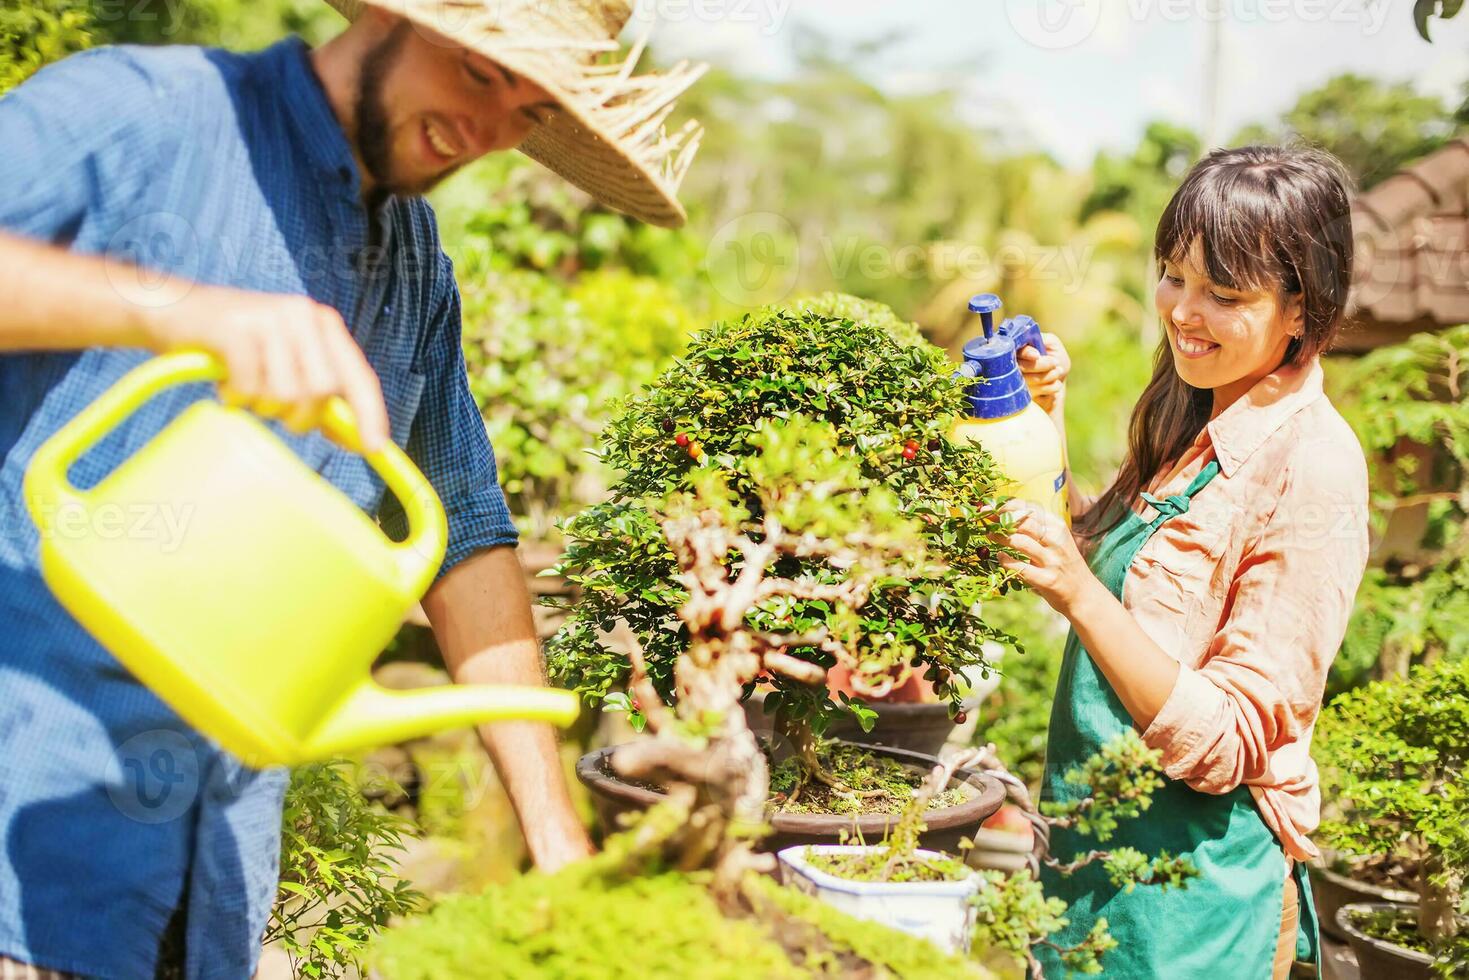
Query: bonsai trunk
[1438, 905]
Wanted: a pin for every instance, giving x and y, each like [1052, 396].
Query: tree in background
[38, 33]
[1375, 127]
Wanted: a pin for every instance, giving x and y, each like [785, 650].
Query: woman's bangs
[1231, 222]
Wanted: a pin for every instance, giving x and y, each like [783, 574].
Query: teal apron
[1226, 922]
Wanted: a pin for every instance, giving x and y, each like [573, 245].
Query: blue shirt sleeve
[449, 443]
[80, 136]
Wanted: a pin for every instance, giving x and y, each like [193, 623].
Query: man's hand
[284, 354]
[481, 617]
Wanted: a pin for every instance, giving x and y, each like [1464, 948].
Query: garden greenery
[1395, 756]
[337, 887]
[890, 399]
[546, 360]
[1409, 405]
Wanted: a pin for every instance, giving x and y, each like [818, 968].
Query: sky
[1075, 76]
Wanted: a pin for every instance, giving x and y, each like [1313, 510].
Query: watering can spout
[373, 715]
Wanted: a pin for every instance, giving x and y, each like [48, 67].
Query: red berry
[961, 718]
[911, 444]
[909, 452]
[682, 439]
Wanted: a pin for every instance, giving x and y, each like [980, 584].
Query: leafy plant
[337, 886]
[1407, 404]
[35, 34]
[1395, 755]
[890, 401]
[624, 915]
[546, 361]
[1014, 912]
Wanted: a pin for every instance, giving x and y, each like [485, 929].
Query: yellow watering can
[258, 614]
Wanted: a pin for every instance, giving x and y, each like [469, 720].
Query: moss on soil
[1399, 927]
[865, 772]
[870, 865]
[590, 922]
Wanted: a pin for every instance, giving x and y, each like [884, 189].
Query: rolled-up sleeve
[1260, 685]
[449, 443]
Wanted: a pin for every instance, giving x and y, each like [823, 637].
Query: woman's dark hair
[1265, 218]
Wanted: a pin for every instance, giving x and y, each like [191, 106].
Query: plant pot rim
[1391, 896]
[591, 769]
[892, 710]
[794, 858]
[1344, 923]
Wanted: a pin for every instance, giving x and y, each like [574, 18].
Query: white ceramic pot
[938, 911]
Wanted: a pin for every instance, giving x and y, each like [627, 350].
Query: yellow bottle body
[1027, 448]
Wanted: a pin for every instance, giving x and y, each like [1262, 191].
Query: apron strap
[1178, 503]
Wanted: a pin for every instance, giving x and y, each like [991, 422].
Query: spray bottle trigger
[1023, 331]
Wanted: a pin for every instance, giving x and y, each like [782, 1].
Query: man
[265, 207]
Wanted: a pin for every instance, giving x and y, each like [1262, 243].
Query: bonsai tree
[1395, 755]
[1015, 914]
[846, 534]
[889, 400]
[679, 893]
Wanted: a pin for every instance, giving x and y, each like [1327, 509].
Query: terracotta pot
[1377, 958]
[921, 727]
[613, 797]
[1331, 891]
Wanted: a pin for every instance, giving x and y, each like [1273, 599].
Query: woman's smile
[1191, 347]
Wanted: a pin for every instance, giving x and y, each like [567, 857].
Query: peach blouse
[1250, 591]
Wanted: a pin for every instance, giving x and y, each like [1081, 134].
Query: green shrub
[337, 885]
[1395, 756]
[1407, 404]
[35, 34]
[891, 402]
[614, 917]
[546, 362]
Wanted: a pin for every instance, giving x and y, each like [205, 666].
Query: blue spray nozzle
[1000, 388]
[986, 305]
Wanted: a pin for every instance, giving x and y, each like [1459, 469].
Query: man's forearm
[482, 620]
[59, 300]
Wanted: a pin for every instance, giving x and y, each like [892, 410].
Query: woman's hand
[1053, 566]
[1045, 374]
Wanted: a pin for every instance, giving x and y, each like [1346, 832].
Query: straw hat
[608, 137]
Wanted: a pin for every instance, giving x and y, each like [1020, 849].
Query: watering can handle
[47, 486]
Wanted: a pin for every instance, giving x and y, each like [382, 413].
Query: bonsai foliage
[845, 535]
[625, 915]
[1014, 912]
[1395, 755]
[337, 886]
[889, 399]
[1409, 406]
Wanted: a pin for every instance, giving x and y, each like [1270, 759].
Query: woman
[1219, 571]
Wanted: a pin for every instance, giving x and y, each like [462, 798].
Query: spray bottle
[1002, 417]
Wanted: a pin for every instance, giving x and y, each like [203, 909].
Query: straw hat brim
[573, 143]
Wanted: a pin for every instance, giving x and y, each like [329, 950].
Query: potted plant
[683, 891]
[1394, 755]
[889, 400]
[922, 892]
[844, 537]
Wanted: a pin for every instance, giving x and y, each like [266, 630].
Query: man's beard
[374, 131]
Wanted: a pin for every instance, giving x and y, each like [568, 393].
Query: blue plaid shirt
[227, 169]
